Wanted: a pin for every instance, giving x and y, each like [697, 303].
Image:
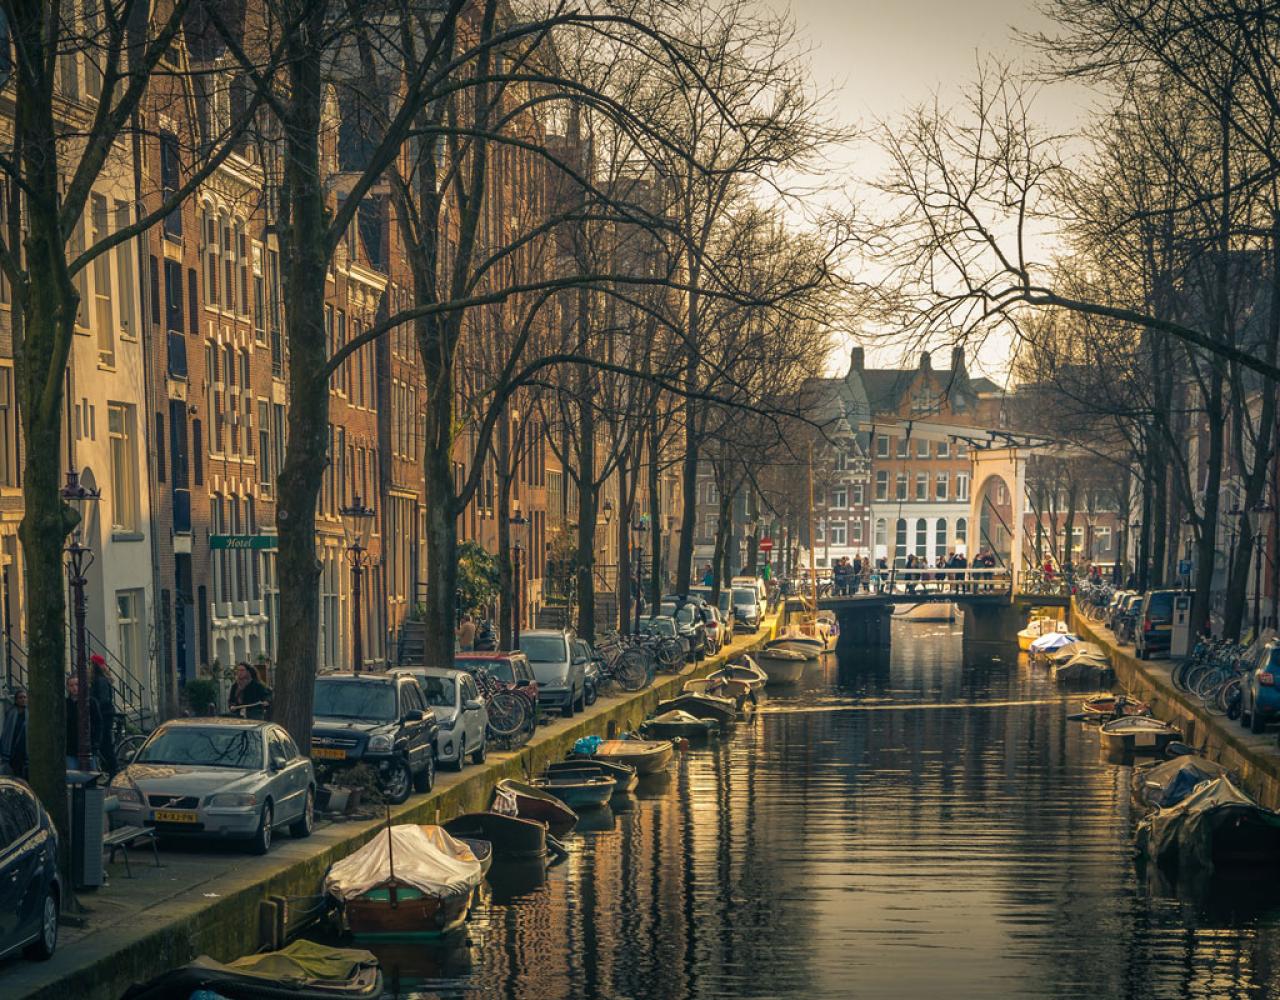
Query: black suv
[379, 720]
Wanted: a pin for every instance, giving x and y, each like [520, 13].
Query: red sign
[766, 545]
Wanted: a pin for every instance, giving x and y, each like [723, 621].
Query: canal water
[921, 823]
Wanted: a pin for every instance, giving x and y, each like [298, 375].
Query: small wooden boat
[807, 646]
[723, 711]
[1114, 705]
[738, 692]
[408, 880]
[515, 798]
[482, 850]
[624, 775]
[1137, 734]
[510, 837]
[781, 665]
[646, 756]
[302, 971]
[679, 725]
[748, 673]
[577, 791]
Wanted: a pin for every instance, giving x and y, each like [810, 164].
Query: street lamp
[79, 559]
[516, 520]
[1140, 571]
[639, 528]
[1257, 522]
[357, 524]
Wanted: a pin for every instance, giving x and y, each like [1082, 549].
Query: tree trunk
[656, 568]
[1200, 602]
[689, 487]
[586, 552]
[507, 582]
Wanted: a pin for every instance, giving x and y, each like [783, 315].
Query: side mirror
[414, 715]
[472, 705]
[277, 762]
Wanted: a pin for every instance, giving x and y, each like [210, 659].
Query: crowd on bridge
[952, 573]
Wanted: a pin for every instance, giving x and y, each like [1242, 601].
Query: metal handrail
[985, 580]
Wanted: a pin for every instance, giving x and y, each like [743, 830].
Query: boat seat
[124, 837]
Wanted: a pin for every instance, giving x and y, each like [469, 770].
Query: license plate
[1144, 740]
[176, 816]
[328, 753]
[1164, 628]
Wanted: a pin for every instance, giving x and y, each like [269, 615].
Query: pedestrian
[73, 726]
[249, 697]
[875, 577]
[102, 694]
[909, 573]
[466, 634]
[882, 571]
[13, 737]
[708, 576]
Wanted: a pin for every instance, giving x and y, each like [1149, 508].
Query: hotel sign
[243, 541]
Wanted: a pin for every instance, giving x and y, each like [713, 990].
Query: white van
[752, 581]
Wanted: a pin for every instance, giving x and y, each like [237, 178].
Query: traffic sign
[766, 545]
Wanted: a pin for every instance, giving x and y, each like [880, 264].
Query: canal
[919, 823]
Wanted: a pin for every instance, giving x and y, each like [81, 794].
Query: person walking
[73, 726]
[103, 695]
[13, 737]
[466, 634]
[248, 698]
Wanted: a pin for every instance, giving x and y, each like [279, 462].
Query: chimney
[957, 359]
[924, 361]
[857, 360]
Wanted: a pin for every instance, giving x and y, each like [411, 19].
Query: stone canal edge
[1254, 758]
[220, 904]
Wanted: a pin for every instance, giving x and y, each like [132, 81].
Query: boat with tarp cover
[1215, 826]
[1167, 782]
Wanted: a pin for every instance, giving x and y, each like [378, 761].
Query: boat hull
[721, 711]
[646, 756]
[810, 649]
[781, 671]
[1121, 740]
[529, 802]
[578, 793]
[703, 729]
[510, 837]
[398, 910]
[624, 776]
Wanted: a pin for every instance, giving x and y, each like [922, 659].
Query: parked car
[689, 623]
[1153, 624]
[30, 889]
[590, 668]
[1116, 608]
[1125, 617]
[380, 720]
[717, 635]
[1260, 693]
[461, 718]
[561, 675]
[233, 778]
[511, 669]
[725, 608]
[748, 609]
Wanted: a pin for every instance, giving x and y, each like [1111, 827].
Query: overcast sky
[882, 57]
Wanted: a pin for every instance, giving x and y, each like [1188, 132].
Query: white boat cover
[1083, 668]
[425, 857]
[1050, 641]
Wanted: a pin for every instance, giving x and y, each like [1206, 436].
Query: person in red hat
[102, 693]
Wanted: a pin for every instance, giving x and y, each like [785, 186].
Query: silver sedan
[233, 778]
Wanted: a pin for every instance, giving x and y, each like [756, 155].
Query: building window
[840, 498]
[940, 484]
[125, 263]
[210, 233]
[900, 539]
[904, 447]
[820, 531]
[170, 181]
[922, 449]
[10, 458]
[922, 537]
[962, 486]
[859, 494]
[882, 485]
[922, 486]
[962, 530]
[940, 537]
[901, 493]
[124, 467]
[130, 618]
[837, 533]
[1002, 495]
[856, 527]
[944, 449]
[882, 532]
[962, 449]
[1102, 539]
[882, 446]
[103, 316]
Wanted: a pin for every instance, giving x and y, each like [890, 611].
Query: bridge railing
[926, 581]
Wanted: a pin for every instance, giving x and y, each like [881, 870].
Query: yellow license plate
[176, 816]
[328, 753]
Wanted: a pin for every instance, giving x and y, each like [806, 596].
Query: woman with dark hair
[249, 697]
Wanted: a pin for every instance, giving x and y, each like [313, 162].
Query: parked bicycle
[511, 723]
[626, 665]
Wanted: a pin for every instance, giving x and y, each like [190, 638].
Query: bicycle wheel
[670, 654]
[127, 746]
[508, 719]
[633, 670]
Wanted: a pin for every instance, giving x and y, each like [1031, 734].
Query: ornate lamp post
[1257, 524]
[357, 524]
[79, 559]
[517, 520]
[639, 528]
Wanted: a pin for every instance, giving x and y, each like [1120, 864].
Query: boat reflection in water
[902, 825]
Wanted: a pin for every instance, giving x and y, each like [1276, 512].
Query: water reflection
[898, 825]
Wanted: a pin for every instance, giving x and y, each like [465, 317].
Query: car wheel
[426, 778]
[397, 782]
[1256, 722]
[592, 694]
[41, 949]
[458, 764]
[481, 752]
[581, 704]
[304, 824]
[261, 842]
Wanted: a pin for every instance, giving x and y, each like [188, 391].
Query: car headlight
[232, 800]
[124, 793]
[380, 744]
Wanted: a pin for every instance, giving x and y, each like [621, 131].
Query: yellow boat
[1037, 628]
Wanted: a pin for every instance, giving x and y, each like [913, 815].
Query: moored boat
[302, 971]
[624, 775]
[1084, 670]
[1036, 628]
[781, 665]
[748, 673]
[723, 711]
[409, 880]
[1167, 782]
[516, 798]
[807, 646]
[679, 725]
[1216, 826]
[1050, 643]
[738, 692]
[1114, 705]
[646, 756]
[577, 791]
[510, 837]
[1137, 734]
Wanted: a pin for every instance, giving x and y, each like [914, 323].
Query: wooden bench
[124, 837]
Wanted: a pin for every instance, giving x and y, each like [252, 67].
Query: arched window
[209, 233]
[882, 532]
[900, 541]
[922, 536]
[940, 538]
[962, 530]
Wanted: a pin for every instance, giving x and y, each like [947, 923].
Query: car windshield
[1161, 606]
[659, 626]
[726, 602]
[745, 597]
[352, 699]
[211, 746]
[544, 648]
[439, 691]
[497, 669]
